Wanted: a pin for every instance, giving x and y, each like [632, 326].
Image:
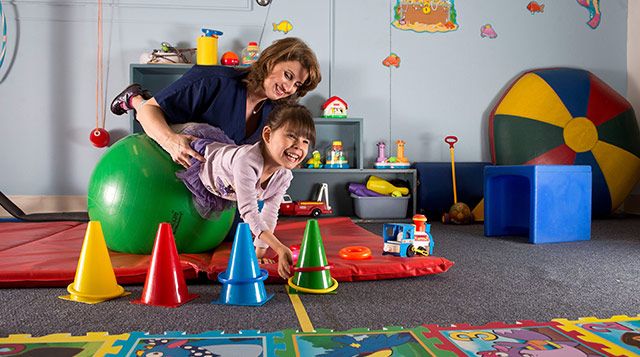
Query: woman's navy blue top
[214, 95]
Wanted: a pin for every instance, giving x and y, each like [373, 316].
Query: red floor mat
[338, 233]
[46, 254]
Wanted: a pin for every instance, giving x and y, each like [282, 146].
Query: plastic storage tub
[380, 207]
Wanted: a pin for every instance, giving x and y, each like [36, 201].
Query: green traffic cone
[312, 270]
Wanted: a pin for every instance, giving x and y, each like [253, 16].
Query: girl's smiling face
[284, 80]
[284, 147]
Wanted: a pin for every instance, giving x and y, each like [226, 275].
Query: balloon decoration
[567, 116]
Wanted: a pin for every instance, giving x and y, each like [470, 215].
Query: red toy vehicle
[307, 208]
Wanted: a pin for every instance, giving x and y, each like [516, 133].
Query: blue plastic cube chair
[548, 203]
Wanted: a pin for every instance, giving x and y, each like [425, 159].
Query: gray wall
[446, 84]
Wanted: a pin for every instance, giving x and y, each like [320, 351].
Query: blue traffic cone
[243, 281]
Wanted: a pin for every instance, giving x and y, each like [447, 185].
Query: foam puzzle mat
[615, 336]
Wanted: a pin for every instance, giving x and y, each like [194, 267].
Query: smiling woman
[236, 100]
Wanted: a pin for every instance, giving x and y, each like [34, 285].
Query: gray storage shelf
[347, 130]
[306, 183]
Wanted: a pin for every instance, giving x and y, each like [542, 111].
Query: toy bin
[380, 207]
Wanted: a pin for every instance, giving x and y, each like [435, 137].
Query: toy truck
[403, 240]
[288, 207]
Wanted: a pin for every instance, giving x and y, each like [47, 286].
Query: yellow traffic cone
[95, 280]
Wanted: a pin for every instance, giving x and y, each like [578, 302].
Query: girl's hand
[260, 252]
[285, 260]
[177, 145]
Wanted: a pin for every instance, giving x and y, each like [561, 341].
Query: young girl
[248, 173]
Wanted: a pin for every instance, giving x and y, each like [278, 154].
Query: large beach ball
[133, 189]
[569, 116]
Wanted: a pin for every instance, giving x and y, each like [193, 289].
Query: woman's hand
[177, 145]
[154, 123]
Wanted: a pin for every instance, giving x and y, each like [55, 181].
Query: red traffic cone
[165, 284]
[312, 271]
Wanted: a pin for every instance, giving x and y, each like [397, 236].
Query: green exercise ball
[134, 188]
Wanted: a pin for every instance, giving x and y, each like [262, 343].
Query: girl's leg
[136, 102]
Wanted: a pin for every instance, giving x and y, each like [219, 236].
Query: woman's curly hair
[285, 50]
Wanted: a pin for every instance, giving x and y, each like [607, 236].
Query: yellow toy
[315, 162]
[383, 187]
[207, 53]
[400, 158]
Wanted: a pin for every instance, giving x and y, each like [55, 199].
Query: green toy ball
[134, 188]
[459, 213]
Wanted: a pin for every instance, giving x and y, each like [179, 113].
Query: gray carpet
[494, 279]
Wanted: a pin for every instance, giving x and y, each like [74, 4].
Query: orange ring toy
[357, 252]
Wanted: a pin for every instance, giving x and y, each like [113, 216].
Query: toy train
[407, 240]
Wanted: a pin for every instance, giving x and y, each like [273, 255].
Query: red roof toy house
[335, 107]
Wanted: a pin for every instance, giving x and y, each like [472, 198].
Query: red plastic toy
[99, 137]
[357, 252]
[230, 59]
[307, 208]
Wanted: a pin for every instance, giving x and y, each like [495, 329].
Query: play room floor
[494, 279]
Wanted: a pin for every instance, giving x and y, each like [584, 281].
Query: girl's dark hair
[296, 118]
[285, 50]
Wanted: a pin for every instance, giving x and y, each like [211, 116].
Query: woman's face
[284, 80]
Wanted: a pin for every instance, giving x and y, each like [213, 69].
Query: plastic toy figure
[401, 158]
[336, 157]
[381, 155]
[315, 162]
[393, 162]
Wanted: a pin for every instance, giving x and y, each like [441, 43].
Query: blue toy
[401, 239]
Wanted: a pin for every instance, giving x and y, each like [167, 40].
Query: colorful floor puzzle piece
[213, 343]
[60, 344]
[391, 341]
[620, 334]
[530, 338]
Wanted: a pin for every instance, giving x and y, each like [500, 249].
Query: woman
[236, 100]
